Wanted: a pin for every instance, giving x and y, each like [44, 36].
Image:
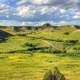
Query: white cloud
[4, 8]
[41, 10]
[29, 10]
[41, 1]
[62, 10]
[62, 22]
[44, 10]
[37, 2]
[25, 11]
[76, 16]
[23, 23]
[20, 2]
[36, 7]
[48, 10]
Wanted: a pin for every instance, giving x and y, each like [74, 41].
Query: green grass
[21, 65]
[26, 67]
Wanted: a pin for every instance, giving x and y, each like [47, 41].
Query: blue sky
[37, 12]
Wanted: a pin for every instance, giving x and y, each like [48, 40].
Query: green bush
[54, 75]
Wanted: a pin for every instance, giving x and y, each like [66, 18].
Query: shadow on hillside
[4, 36]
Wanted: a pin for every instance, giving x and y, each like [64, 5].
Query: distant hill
[43, 26]
[47, 25]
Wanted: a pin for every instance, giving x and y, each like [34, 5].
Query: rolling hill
[32, 51]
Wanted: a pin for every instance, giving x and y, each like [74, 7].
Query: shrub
[66, 33]
[54, 75]
[71, 42]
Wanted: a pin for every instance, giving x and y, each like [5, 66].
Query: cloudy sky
[36, 12]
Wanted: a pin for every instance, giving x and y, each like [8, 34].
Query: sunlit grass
[23, 66]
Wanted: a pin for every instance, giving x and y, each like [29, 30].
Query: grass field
[30, 54]
[26, 67]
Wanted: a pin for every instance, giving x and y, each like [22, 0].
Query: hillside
[42, 38]
[4, 35]
[32, 51]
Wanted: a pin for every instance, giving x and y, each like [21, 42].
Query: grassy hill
[32, 51]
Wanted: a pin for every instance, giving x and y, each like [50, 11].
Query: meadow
[29, 54]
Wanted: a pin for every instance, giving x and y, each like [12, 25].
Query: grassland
[29, 54]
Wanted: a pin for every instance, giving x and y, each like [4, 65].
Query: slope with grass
[30, 53]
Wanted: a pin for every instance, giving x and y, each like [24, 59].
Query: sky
[37, 12]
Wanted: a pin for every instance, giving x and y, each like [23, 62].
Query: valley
[27, 53]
